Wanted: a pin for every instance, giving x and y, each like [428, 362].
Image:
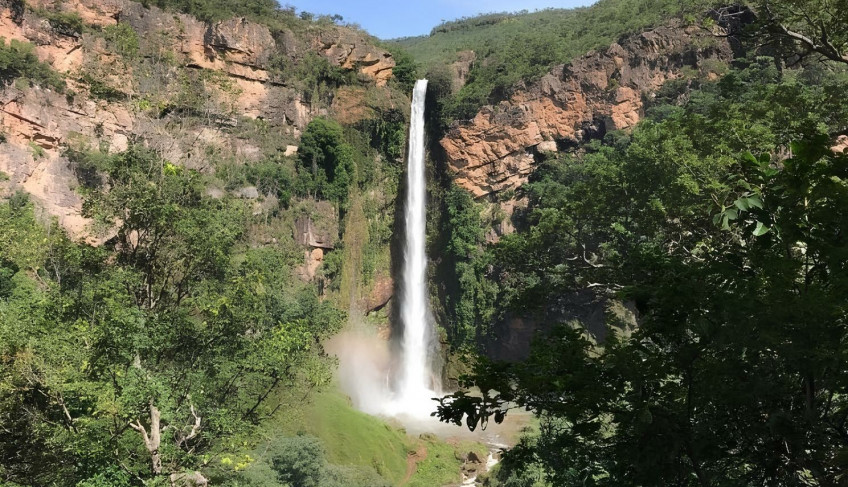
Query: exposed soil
[412, 460]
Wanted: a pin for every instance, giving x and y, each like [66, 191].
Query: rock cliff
[598, 92]
[227, 72]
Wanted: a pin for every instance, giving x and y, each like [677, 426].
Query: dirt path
[412, 460]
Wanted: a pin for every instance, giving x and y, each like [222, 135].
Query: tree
[733, 251]
[154, 353]
[327, 160]
[816, 26]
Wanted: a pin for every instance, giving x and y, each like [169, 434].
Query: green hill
[511, 47]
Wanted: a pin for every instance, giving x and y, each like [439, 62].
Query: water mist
[401, 384]
[415, 385]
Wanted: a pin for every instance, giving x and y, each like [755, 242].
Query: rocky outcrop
[313, 259]
[380, 295]
[841, 146]
[235, 81]
[37, 124]
[352, 50]
[598, 92]
[307, 233]
[462, 68]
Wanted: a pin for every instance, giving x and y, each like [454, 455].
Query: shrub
[18, 61]
[327, 159]
[123, 39]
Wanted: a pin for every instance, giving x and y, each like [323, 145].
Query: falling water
[406, 388]
[414, 385]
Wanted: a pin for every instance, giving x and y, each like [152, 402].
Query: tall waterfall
[404, 384]
[414, 388]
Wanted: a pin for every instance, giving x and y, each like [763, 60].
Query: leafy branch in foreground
[817, 26]
[729, 240]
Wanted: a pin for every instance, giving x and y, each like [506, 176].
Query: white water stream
[415, 384]
[401, 384]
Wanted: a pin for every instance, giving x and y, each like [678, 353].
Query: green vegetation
[351, 438]
[313, 75]
[214, 10]
[468, 294]
[301, 461]
[327, 160]
[176, 325]
[510, 48]
[65, 23]
[406, 70]
[122, 39]
[722, 220]
[18, 61]
[814, 28]
[268, 12]
[187, 344]
[441, 467]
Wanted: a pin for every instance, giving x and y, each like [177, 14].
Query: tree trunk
[152, 439]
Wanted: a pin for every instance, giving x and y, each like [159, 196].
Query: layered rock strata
[236, 58]
[599, 92]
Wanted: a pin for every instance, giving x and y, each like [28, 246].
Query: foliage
[300, 461]
[313, 75]
[327, 160]
[272, 176]
[405, 72]
[215, 10]
[510, 48]
[100, 89]
[123, 39]
[170, 326]
[469, 293]
[723, 222]
[386, 133]
[812, 26]
[18, 60]
[65, 23]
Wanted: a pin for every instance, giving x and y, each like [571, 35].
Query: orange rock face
[352, 50]
[380, 294]
[39, 123]
[841, 146]
[596, 93]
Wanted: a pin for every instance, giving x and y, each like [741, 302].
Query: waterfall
[414, 305]
[414, 386]
[409, 384]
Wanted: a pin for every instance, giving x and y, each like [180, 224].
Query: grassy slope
[574, 31]
[354, 438]
[350, 437]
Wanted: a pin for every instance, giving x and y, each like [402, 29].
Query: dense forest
[186, 347]
[721, 218]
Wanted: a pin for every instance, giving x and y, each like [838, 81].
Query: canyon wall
[239, 74]
[599, 92]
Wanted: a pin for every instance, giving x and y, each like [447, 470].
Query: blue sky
[388, 19]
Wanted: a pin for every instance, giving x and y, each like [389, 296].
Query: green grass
[351, 437]
[441, 467]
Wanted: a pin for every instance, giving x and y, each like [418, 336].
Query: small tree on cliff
[327, 161]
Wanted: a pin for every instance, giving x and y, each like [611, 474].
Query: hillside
[489, 54]
[174, 246]
[635, 227]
